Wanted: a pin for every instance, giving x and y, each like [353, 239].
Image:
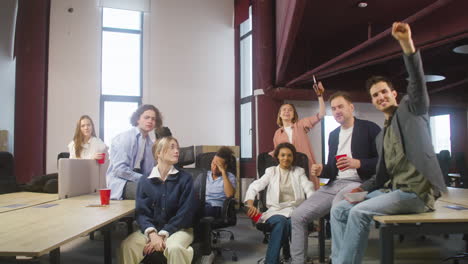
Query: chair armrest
[228, 207]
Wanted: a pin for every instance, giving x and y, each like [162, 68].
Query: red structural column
[31, 50]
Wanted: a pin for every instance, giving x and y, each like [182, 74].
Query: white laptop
[80, 176]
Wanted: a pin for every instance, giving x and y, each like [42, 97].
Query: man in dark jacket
[408, 177]
[354, 141]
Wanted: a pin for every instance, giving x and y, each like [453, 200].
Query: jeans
[350, 223]
[279, 237]
[213, 211]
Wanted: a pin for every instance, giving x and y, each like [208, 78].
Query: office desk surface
[36, 231]
[456, 196]
[442, 214]
[18, 200]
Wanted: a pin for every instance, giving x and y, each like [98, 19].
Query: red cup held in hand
[103, 159]
[105, 196]
[337, 157]
[254, 218]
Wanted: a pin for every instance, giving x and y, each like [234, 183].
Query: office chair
[7, 177]
[228, 214]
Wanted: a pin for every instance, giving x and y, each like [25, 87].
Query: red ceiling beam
[430, 32]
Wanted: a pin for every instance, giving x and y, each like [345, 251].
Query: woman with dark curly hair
[287, 187]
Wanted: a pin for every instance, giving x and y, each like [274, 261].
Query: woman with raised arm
[294, 130]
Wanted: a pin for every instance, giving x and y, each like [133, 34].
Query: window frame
[119, 98]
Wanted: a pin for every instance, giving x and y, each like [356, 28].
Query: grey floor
[249, 248]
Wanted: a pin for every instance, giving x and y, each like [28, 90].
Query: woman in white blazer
[288, 187]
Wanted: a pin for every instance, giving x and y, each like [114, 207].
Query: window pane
[246, 26]
[117, 118]
[246, 130]
[120, 63]
[118, 18]
[440, 130]
[329, 125]
[246, 66]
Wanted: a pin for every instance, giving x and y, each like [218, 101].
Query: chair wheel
[234, 257]
[232, 237]
[215, 240]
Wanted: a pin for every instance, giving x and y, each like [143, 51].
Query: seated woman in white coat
[85, 144]
[288, 187]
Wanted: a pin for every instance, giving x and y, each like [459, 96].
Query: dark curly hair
[136, 115]
[288, 146]
[227, 155]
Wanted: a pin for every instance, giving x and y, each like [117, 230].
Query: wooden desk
[456, 196]
[36, 231]
[442, 221]
[20, 200]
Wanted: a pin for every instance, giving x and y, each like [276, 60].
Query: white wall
[188, 69]
[7, 69]
[307, 108]
[192, 69]
[74, 71]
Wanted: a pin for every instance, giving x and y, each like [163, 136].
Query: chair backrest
[7, 177]
[265, 160]
[444, 162]
[63, 155]
[186, 156]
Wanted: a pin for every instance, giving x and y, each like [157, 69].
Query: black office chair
[264, 161]
[444, 162]
[461, 168]
[186, 156]
[7, 177]
[228, 215]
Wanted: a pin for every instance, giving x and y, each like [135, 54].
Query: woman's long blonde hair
[78, 138]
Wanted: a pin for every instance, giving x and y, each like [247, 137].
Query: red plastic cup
[103, 159]
[337, 157]
[256, 217]
[105, 196]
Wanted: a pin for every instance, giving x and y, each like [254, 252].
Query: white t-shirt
[344, 147]
[94, 145]
[289, 132]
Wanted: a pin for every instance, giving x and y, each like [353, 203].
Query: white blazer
[302, 187]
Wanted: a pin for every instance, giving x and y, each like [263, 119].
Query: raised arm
[417, 90]
[319, 90]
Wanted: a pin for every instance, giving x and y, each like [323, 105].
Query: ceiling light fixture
[463, 49]
[434, 77]
[362, 4]
[431, 78]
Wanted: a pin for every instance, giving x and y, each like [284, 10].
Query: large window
[121, 80]
[328, 125]
[246, 87]
[440, 132]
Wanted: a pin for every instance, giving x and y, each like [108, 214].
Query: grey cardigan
[411, 124]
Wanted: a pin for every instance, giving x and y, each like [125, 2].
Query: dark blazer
[410, 123]
[362, 148]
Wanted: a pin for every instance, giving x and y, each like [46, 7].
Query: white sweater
[302, 187]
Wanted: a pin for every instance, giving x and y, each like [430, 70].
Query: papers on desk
[44, 205]
[14, 205]
[456, 207]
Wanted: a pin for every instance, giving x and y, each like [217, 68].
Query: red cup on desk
[103, 159]
[105, 196]
[337, 157]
